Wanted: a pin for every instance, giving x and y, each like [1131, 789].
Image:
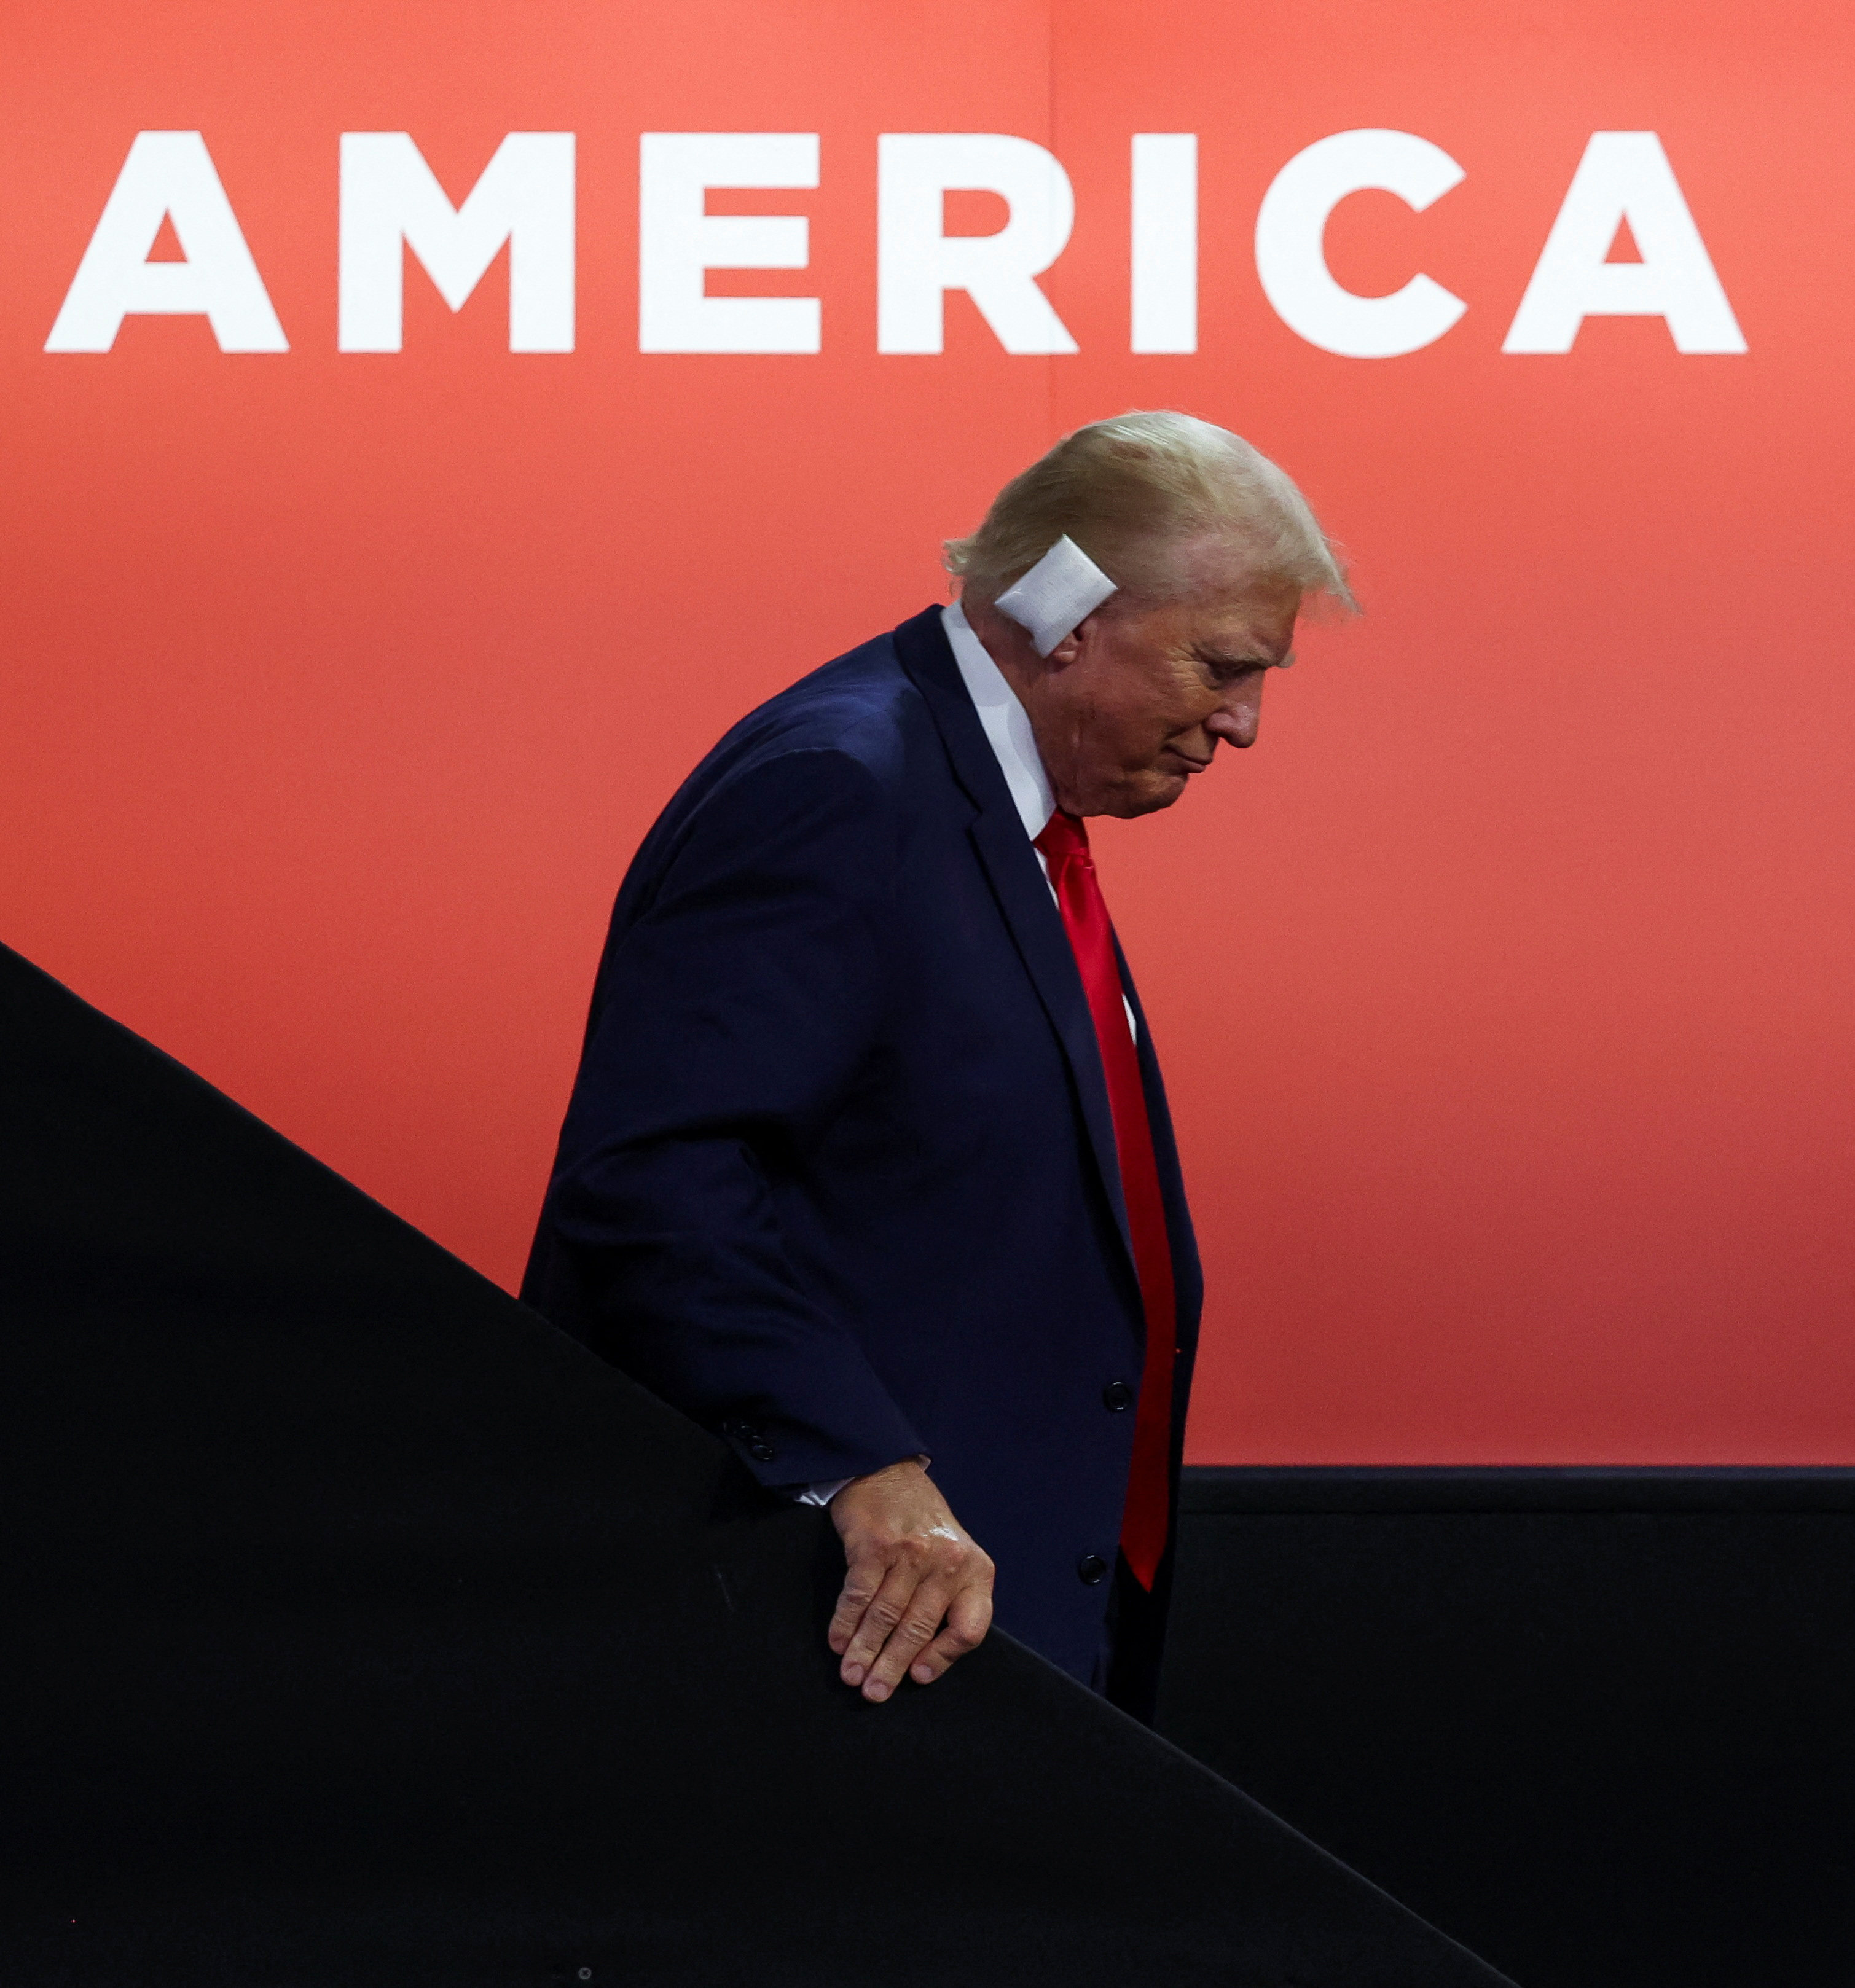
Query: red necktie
[1064, 844]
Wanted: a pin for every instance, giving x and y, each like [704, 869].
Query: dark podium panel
[1599, 1724]
[362, 1629]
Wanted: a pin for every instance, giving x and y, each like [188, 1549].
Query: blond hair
[1130, 491]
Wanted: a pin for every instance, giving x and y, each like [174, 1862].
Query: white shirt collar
[1007, 723]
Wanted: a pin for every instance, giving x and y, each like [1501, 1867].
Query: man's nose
[1237, 719]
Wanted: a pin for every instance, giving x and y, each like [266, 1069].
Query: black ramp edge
[364, 1629]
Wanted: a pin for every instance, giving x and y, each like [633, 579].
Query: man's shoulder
[864, 705]
[859, 702]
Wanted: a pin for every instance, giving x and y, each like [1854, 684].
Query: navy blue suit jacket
[838, 1178]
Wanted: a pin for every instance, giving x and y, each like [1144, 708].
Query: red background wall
[1504, 989]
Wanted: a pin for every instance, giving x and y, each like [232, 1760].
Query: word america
[390, 201]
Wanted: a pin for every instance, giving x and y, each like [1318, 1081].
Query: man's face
[1129, 707]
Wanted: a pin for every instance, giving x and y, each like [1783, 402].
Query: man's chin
[1147, 795]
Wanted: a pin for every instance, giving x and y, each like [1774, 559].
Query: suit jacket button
[762, 1451]
[1117, 1395]
[1092, 1569]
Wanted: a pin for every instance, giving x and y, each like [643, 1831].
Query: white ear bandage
[1062, 590]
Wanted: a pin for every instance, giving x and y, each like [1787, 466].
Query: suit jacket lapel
[1188, 1276]
[1017, 882]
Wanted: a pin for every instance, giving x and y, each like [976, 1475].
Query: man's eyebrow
[1223, 659]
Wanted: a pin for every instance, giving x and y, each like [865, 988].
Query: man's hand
[911, 1568]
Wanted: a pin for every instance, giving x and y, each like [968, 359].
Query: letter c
[1292, 264]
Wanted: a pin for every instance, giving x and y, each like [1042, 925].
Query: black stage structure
[1599, 1724]
[362, 1629]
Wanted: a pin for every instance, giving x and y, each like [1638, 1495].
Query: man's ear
[1070, 648]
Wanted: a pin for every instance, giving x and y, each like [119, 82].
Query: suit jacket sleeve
[736, 1007]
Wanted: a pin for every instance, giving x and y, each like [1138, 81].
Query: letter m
[389, 196]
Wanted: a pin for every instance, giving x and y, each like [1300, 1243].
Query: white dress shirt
[1008, 726]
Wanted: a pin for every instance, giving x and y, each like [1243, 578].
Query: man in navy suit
[867, 1168]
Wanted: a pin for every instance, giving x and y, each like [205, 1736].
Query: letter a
[167, 174]
[1624, 176]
